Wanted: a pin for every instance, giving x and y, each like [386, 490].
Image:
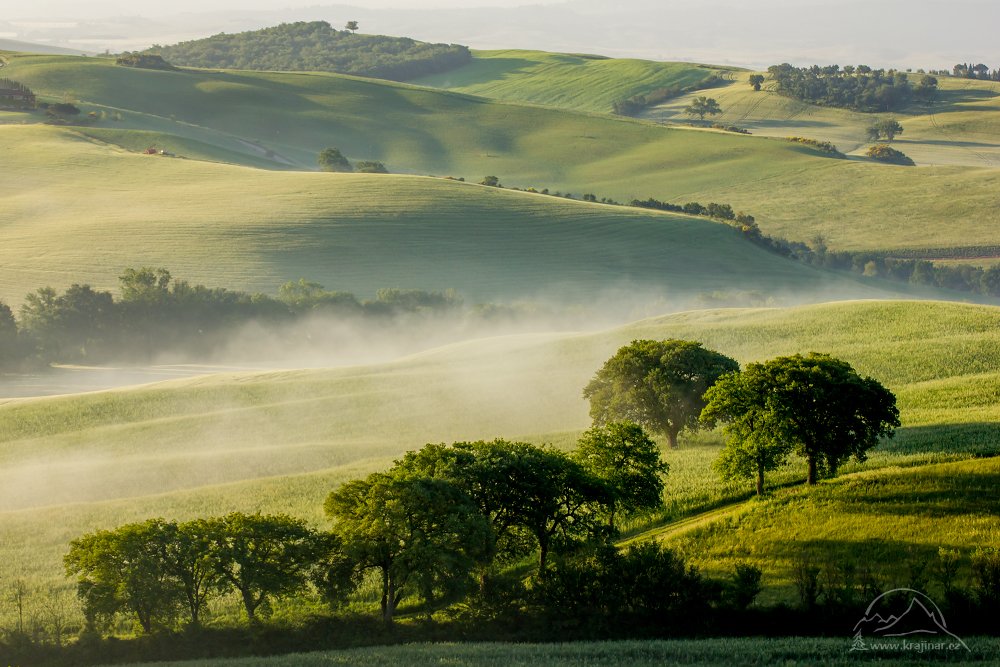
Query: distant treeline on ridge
[316, 46]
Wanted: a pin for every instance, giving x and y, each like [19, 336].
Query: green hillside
[570, 81]
[283, 120]
[280, 441]
[254, 229]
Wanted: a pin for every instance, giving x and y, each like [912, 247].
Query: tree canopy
[703, 106]
[656, 384]
[860, 88]
[814, 405]
[331, 159]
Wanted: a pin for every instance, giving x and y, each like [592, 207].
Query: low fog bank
[331, 338]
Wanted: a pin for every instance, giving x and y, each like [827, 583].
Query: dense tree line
[976, 71]
[144, 61]
[860, 88]
[316, 46]
[436, 528]
[156, 314]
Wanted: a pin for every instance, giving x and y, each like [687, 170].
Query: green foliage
[815, 404]
[885, 153]
[423, 535]
[262, 557]
[331, 159]
[824, 146]
[629, 463]
[755, 444]
[886, 128]
[315, 46]
[370, 167]
[656, 384]
[860, 88]
[703, 106]
[756, 81]
[745, 585]
[491, 181]
[122, 571]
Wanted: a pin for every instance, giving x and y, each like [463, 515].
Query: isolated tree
[331, 159]
[886, 128]
[756, 80]
[121, 571]
[656, 384]
[754, 443]
[10, 343]
[352, 26]
[491, 181]
[818, 406]
[703, 106]
[928, 88]
[424, 535]
[262, 556]
[628, 462]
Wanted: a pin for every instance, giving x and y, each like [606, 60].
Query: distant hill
[29, 47]
[317, 47]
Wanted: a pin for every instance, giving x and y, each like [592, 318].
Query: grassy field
[705, 653]
[961, 127]
[281, 120]
[254, 229]
[281, 441]
[570, 81]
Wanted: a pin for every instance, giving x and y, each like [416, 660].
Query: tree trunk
[811, 479]
[760, 479]
[390, 602]
[672, 436]
[543, 557]
[386, 614]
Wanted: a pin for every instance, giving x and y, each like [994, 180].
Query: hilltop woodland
[509, 540]
[317, 47]
[859, 88]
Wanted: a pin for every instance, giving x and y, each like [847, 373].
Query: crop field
[281, 120]
[569, 81]
[281, 441]
[705, 653]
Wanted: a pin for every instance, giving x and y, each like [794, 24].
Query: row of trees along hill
[634, 105]
[815, 406]
[156, 315]
[331, 159]
[860, 88]
[977, 71]
[316, 46]
[448, 524]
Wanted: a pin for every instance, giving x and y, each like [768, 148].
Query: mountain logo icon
[904, 612]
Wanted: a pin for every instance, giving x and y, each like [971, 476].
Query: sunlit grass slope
[570, 81]
[961, 127]
[75, 210]
[284, 119]
[281, 441]
[880, 521]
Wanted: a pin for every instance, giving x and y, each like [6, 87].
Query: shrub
[885, 153]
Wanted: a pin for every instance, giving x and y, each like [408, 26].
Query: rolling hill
[577, 82]
[255, 229]
[282, 120]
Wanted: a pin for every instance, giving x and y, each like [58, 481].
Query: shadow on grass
[971, 438]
